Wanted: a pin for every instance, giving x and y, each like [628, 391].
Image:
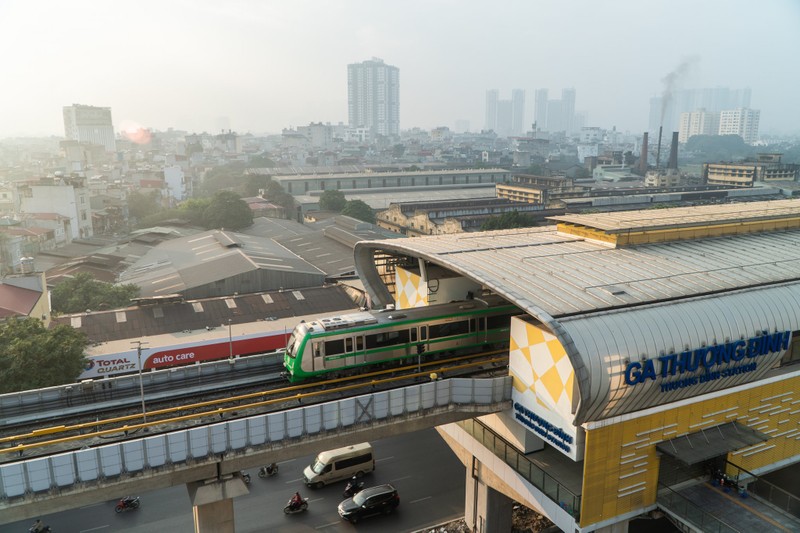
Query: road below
[428, 477]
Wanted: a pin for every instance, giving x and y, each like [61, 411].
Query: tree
[507, 221]
[225, 177]
[277, 195]
[332, 201]
[256, 182]
[360, 210]
[141, 205]
[713, 148]
[83, 292]
[32, 357]
[227, 210]
[194, 210]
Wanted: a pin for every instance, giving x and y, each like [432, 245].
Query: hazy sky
[267, 65]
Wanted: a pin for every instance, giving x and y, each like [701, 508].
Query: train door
[354, 350]
[318, 354]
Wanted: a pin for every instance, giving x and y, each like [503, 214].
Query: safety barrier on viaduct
[49, 484]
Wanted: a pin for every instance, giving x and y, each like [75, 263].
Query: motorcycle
[127, 503]
[292, 508]
[354, 486]
[245, 477]
[268, 471]
[42, 529]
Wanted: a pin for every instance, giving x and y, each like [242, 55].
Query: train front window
[290, 345]
[298, 333]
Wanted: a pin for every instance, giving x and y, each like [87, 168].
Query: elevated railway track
[76, 429]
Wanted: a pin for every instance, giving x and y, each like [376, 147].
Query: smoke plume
[671, 80]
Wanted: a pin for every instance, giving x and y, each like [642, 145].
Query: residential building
[25, 295]
[68, 197]
[505, 117]
[517, 111]
[665, 110]
[698, 122]
[742, 122]
[540, 109]
[373, 97]
[531, 189]
[89, 124]
[766, 167]
[492, 97]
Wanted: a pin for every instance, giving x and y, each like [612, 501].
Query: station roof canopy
[711, 442]
[627, 286]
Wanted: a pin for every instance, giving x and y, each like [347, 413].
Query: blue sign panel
[704, 364]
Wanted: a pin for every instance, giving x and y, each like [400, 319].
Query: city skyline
[262, 67]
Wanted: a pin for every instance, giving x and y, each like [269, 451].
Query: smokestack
[673, 152]
[643, 158]
[658, 150]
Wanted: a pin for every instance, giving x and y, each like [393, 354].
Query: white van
[341, 463]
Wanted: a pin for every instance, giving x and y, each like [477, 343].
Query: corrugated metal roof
[184, 263]
[648, 219]
[563, 275]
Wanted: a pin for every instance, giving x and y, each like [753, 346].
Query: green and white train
[344, 344]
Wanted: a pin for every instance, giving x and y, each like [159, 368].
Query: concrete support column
[214, 517]
[485, 509]
[212, 503]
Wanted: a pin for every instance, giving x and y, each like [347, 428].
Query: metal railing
[686, 510]
[765, 490]
[550, 486]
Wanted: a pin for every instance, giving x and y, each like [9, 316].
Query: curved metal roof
[650, 296]
[606, 342]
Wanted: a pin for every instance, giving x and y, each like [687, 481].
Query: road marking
[316, 500]
[398, 479]
[421, 499]
[384, 459]
[293, 480]
[92, 505]
[328, 525]
[95, 528]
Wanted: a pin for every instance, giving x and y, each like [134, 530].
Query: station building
[654, 352]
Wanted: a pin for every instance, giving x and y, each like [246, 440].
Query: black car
[370, 501]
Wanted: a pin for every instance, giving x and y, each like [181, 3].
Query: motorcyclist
[296, 500]
[271, 468]
[37, 526]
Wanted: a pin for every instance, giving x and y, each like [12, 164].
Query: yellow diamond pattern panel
[540, 367]
[411, 290]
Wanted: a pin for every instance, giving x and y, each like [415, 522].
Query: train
[120, 357]
[341, 344]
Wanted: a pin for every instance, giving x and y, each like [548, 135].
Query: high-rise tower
[89, 124]
[373, 96]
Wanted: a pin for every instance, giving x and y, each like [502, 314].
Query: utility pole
[141, 385]
[230, 342]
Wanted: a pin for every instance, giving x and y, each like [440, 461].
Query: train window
[482, 323]
[348, 344]
[334, 347]
[413, 334]
[499, 321]
[423, 333]
[360, 343]
[472, 325]
[317, 349]
[449, 329]
[389, 338]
